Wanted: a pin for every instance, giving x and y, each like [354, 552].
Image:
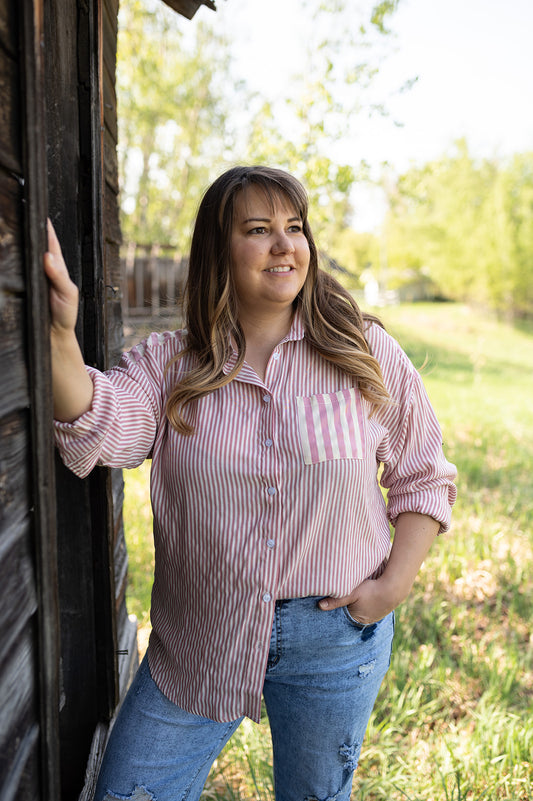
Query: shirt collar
[296, 332]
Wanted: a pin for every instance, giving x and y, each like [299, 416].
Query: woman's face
[269, 253]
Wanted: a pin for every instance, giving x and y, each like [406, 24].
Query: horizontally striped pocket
[331, 426]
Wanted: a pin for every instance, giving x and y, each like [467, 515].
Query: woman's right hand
[71, 385]
[63, 291]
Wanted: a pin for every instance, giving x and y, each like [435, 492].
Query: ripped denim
[323, 675]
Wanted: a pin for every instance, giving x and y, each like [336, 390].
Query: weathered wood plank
[128, 656]
[79, 712]
[23, 778]
[18, 710]
[72, 91]
[11, 274]
[110, 104]
[16, 550]
[110, 163]
[31, 786]
[112, 232]
[18, 581]
[120, 569]
[111, 9]
[13, 369]
[10, 154]
[117, 488]
[110, 30]
[114, 282]
[95, 760]
[9, 33]
[15, 444]
[41, 452]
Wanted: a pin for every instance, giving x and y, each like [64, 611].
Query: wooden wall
[97, 639]
[29, 611]
[67, 646]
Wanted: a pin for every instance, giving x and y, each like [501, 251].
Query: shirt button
[275, 355]
[271, 543]
[266, 398]
[268, 443]
[267, 597]
[271, 490]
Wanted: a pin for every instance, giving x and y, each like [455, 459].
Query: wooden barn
[67, 646]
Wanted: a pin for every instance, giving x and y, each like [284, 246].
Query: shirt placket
[267, 564]
[271, 499]
[271, 471]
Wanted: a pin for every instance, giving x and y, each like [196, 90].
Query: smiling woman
[269, 265]
[266, 421]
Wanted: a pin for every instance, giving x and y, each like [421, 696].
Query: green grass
[454, 718]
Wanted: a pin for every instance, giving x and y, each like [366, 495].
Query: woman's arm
[375, 598]
[72, 386]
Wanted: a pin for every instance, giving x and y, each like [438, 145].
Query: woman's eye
[259, 230]
[295, 229]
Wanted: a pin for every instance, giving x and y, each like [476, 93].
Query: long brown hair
[333, 322]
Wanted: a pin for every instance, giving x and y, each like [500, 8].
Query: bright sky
[473, 59]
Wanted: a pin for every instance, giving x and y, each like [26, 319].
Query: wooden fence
[154, 280]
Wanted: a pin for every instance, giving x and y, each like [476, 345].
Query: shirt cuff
[79, 442]
[436, 504]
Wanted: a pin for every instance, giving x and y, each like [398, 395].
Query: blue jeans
[324, 672]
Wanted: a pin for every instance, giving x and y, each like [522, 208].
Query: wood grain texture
[10, 149]
[13, 368]
[19, 597]
[41, 460]
[110, 162]
[9, 31]
[11, 271]
[19, 709]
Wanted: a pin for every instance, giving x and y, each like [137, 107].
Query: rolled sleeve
[416, 473]
[128, 404]
[80, 442]
[117, 431]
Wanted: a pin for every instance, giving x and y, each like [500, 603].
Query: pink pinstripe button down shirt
[275, 496]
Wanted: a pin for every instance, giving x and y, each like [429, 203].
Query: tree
[175, 92]
[328, 100]
[172, 120]
[468, 224]
[518, 199]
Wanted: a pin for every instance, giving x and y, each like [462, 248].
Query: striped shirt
[275, 496]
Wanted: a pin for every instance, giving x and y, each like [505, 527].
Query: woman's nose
[282, 243]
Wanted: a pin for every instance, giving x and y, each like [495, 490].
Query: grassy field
[454, 718]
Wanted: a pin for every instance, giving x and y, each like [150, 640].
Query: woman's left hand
[375, 598]
[368, 603]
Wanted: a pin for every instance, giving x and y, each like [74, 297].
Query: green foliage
[469, 226]
[138, 527]
[330, 96]
[172, 119]
[183, 117]
[355, 252]
[454, 718]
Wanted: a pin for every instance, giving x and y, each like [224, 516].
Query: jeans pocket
[357, 623]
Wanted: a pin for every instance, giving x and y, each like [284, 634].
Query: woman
[266, 421]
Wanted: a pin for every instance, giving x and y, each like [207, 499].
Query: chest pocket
[331, 426]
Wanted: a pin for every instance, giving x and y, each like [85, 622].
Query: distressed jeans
[323, 675]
